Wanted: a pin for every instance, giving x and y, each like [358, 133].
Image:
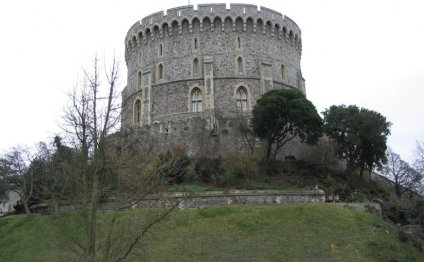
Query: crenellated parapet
[239, 17]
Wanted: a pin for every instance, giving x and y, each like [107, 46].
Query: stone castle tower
[193, 75]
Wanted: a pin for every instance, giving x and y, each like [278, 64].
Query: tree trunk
[92, 219]
[397, 187]
[26, 207]
[268, 151]
[370, 174]
[54, 206]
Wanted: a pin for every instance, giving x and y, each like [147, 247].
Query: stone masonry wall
[216, 50]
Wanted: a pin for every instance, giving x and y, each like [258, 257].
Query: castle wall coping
[200, 200]
[272, 13]
[206, 8]
[236, 193]
[202, 10]
[153, 18]
[205, 199]
[234, 6]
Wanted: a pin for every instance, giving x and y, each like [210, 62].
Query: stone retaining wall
[233, 197]
[199, 200]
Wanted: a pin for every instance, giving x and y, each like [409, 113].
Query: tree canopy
[281, 115]
[360, 134]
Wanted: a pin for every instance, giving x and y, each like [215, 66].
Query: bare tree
[405, 178]
[20, 172]
[419, 164]
[105, 168]
[396, 169]
[91, 116]
[419, 157]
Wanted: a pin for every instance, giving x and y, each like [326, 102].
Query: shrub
[343, 190]
[402, 236]
[329, 186]
[190, 175]
[419, 208]
[172, 166]
[240, 165]
[345, 193]
[404, 210]
[359, 197]
[209, 170]
[270, 168]
[226, 171]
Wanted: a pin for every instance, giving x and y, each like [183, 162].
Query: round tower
[192, 74]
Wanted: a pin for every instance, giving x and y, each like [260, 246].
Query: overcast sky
[368, 53]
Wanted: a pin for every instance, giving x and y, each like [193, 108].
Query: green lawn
[295, 232]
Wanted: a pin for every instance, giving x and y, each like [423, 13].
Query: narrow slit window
[283, 74]
[240, 65]
[160, 50]
[195, 43]
[196, 69]
[160, 71]
[139, 80]
[238, 43]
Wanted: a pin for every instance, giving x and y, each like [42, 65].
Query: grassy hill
[295, 232]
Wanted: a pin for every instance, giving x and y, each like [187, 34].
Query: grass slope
[295, 232]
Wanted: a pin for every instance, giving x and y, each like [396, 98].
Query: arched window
[206, 24]
[196, 69]
[196, 100]
[241, 99]
[165, 29]
[137, 111]
[240, 65]
[259, 26]
[228, 24]
[195, 25]
[175, 28]
[160, 50]
[160, 72]
[283, 73]
[185, 26]
[268, 27]
[217, 24]
[249, 24]
[239, 24]
[139, 81]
